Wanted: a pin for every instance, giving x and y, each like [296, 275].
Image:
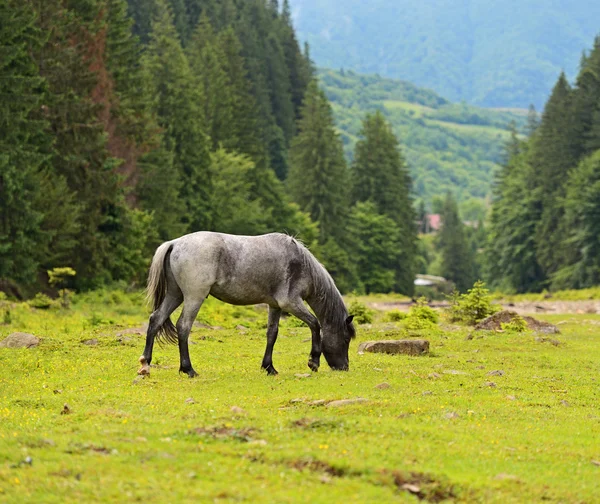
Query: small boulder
[346, 402]
[407, 347]
[19, 340]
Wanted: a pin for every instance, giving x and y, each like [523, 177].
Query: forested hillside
[545, 223]
[486, 52]
[449, 147]
[124, 124]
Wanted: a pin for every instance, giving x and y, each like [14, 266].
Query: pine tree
[178, 107]
[580, 228]
[511, 259]
[552, 155]
[380, 175]
[457, 257]
[318, 179]
[21, 90]
[375, 248]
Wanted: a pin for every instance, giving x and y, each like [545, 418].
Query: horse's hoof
[314, 366]
[271, 371]
[190, 372]
[144, 371]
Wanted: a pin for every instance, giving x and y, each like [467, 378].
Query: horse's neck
[325, 305]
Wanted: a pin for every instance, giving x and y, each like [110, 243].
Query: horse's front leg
[299, 310]
[272, 330]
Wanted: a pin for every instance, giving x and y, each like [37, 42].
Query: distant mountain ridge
[493, 53]
[449, 147]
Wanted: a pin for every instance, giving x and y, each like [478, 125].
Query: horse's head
[335, 343]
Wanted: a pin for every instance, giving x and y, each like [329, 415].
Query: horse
[275, 269]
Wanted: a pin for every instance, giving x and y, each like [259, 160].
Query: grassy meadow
[491, 417]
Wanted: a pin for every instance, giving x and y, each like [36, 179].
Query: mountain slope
[449, 147]
[487, 52]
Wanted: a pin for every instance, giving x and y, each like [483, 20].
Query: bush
[517, 324]
[473, 306]
[41, 301]
[421, 310]
[362, 314]
[394, 316]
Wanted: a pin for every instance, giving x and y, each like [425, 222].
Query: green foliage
[374, 242]
[445, 152]
[380, 176]
[41, 301]
[421, 310]
[517, 324]
[543, 229]
[457, 256]
[22, 140]
[362, 314]
[318, 179]
[473, 306]
[394, 316]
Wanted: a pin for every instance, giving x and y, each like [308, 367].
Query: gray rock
[407, 347]
[346, 402]
[19, 340]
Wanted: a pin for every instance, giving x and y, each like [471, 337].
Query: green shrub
[362, 314]
[422, 311]
[517, 324]
[394, 316]
[41, 301]
[473, 306]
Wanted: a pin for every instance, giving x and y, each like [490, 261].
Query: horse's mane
[325, 291]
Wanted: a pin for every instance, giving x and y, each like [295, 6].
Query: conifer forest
[125, 123]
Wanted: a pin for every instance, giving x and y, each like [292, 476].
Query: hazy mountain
[496, 53]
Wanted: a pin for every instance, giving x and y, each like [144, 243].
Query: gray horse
[243, 270]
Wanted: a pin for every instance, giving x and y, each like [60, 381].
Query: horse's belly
[236, 296]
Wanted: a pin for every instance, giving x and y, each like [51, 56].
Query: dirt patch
[494, 323]
[423, 486]
[318, 466]
[315, 424]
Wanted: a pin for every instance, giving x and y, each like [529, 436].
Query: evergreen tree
[178, 107]
[21, 90]
[580, 228]
[380, 175]
[318, 179]
[206, 59]
[552, 155]
[511, 260]
[457, 257]
[375, 248]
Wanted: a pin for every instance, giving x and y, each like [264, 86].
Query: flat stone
[19, 340]
[383, 386]
[91, 342]
[406, 347]
[346, 402]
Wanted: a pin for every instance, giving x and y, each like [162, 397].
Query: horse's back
[237, 269]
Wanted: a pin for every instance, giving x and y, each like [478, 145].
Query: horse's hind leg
[184, 326]
[172, 300]
[272, 330]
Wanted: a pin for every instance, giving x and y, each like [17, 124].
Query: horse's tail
[156, 291]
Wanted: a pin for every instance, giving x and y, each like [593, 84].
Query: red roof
[434, 221]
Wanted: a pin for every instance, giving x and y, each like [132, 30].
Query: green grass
[439, 426]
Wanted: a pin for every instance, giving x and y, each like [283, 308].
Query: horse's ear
[349, 319]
